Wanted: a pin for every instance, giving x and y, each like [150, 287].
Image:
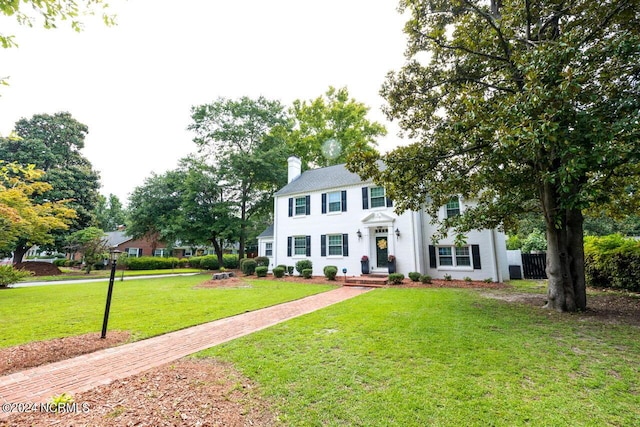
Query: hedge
[612, 262]
[154, 263]
[330, 272]
[210, 262]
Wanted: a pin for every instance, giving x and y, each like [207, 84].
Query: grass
[145, 307]
[442, 357]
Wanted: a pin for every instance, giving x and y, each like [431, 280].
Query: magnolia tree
[520, 106]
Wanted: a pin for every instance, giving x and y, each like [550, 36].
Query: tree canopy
[239, 139]
[518, 106]
[53, 144]
[331, 127]
[109, 213]
[24, 222]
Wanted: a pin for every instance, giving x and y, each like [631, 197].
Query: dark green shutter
[289, 244]
[290, 206]
[365, 197]
[345, 245]
[323, 245]
[343, 195]
[308, 245]
[324, 203]
[475, 252]
[433, 262]
[308, 203]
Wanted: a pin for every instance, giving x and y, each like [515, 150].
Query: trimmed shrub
[60, 262]
[466, 279]
[330, 272]
[304, 264]
[425, 278]
[306, 273]
[261, 271]
[284, 267]
[396, 278]
[278, 272]
[248, 267]
[447, 277]
[414, 276]
[262, 261]
[230, 261]
[149, 263]
[290, 270]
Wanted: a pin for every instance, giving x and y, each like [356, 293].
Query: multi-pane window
[301, 205]
[463, 258]
[334, 242]
[453, 207]
[377, 197]
[268, 249]
[335, 202]
[159, 252]
[300, 245]
[454, 256]
[188, 252]
[132, 252]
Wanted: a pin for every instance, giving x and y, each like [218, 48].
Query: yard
[394, 356]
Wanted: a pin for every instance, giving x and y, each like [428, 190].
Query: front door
[382, 251]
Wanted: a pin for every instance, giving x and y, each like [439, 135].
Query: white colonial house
[331, 217]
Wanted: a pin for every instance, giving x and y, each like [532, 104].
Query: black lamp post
[113, 255]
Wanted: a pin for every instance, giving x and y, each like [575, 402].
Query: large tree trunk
[19, 252]
[565, 255]
[218, 248]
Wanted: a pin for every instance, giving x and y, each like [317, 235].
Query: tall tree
[109, 212]
[519, 106]
[53, 143]
[185, 205]
[251, 159]
[329, 128]
[24, 222]
[91, 243]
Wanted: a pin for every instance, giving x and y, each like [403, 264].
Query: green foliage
[236, 134]
[54, 143]
[10, 275]
[303, 264]
[161, 263]
[514, 242]
[261, 271]
[535, 241]
[205, 262]
[517, 107]
[396, 278]
[278, 272]
[425, 278]
[230, 261]
[109, 212]
[330, 272]
[60, 401]
[50, 13]
[248, 267]
[330, 128]
[262, 261]
[466, 279]
[414, 276]
[290, 269]
[447, 277]
[612, 262]
[60, 262]
[307, 273]
[91, 243]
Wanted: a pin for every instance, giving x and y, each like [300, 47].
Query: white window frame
[300, 209]
[452, 208]
[372, 198]
[268, 249]
[133, 252]
[299, 250]
[460, 256]
[337, 247]
[159, 252]
[188, 253]
[336, 204]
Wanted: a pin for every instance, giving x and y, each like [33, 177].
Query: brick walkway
[85, 372]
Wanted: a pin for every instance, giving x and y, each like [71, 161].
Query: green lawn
[443, 357]
[145, 307]
[70, 274]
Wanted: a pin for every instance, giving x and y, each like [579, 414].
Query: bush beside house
[612, 262]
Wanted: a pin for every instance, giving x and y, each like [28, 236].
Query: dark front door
[382, 251]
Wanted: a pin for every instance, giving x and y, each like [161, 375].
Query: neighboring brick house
[332, 217]
[151, 246]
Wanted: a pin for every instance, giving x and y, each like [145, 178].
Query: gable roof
[116, 238]
[321, 179]
[268, 232]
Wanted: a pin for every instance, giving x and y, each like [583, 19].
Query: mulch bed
[39, 268]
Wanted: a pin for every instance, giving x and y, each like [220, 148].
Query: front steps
[371, 280]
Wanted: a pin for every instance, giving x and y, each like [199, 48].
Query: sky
[134, 84]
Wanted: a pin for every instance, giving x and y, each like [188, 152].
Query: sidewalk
[85, 372]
